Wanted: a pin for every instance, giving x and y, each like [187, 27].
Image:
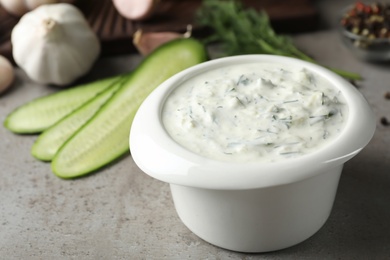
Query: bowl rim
[159, 156]
[354, 36]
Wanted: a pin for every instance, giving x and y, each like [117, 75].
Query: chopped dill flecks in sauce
[255, 112]
[243, 80]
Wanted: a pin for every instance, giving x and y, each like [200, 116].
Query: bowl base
[258, 220]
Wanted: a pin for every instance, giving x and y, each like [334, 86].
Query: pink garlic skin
[135, 9]
[147, 42]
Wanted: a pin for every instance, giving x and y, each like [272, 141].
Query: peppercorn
[369, 20]
[384, 121]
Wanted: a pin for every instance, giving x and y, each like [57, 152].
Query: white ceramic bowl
[249, 207]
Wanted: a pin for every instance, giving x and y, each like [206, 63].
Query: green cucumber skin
[105, 137]
[39, 114]
[49, 142]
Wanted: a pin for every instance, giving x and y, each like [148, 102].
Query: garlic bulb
[32, 4]
[20, 7]
[7, 74]
[15, 7]
[54, 44]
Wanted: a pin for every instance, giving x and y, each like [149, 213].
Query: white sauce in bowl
[254, 112]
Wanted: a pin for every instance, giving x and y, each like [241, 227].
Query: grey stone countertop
[121, 213]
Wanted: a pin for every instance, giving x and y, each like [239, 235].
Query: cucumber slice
[50, 141]
[105, 137]
[39, 114]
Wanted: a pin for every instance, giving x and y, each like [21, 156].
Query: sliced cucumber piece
[48, 143]
[105, 137]
[41, 113]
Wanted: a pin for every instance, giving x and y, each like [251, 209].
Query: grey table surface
[121, 213]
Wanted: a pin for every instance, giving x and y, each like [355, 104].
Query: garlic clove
[147, 42]
[7, 74]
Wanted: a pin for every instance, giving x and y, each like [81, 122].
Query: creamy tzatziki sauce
[254, 112]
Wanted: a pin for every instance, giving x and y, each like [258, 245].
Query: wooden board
[115, 32]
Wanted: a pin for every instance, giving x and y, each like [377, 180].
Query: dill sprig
[241, 30]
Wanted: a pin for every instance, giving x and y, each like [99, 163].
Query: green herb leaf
[242, 30]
